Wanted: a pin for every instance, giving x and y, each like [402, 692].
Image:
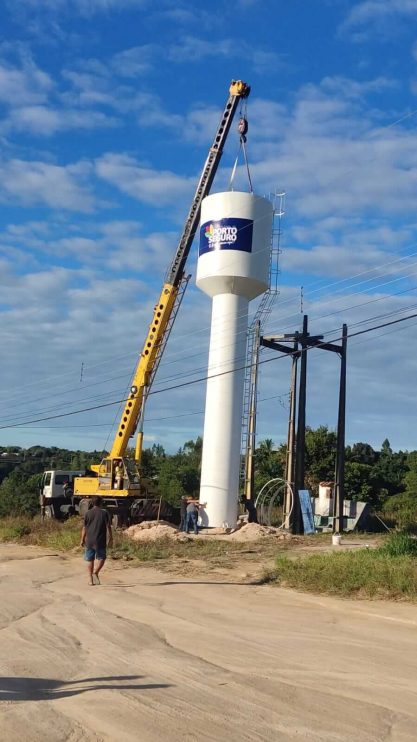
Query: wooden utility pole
[250, 450]
[289, 464]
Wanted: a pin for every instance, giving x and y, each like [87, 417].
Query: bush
[19, 495]
[400, 544]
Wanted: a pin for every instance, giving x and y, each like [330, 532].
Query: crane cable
[242, 128]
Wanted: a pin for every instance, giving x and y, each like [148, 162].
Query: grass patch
[65, 536]
[13, 529]
[49, 533]
[366, 573]
[400, 544]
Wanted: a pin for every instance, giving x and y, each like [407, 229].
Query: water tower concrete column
[233, 268]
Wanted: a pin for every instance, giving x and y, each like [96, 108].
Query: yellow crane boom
[107, 483]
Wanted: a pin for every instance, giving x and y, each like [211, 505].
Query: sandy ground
[150, 656]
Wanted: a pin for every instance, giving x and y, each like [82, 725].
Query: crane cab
[114, 477]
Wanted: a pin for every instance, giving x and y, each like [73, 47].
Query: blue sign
[226, 234]
[306, 511]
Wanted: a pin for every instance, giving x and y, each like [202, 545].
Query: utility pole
[251, 440]
[301, 430]
[295, 471]
[341, 425]
[289, 464]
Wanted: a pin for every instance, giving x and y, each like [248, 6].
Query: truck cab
[55, 499]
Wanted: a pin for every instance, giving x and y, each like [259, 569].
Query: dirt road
[150, 657]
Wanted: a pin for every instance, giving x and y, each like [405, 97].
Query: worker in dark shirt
[183, 512]
[96, 535]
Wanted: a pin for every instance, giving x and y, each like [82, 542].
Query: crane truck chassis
[57, 500]
[117, 479]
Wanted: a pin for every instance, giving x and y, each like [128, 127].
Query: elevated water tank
[235, 240]
[233, 267]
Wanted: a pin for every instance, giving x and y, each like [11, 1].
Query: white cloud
[23, 85]
[34, 182]
[329, 260]
[335, 157]
[119, 246]
[45, 121]
[155, 187]
[377, 15]
[35, 104]
[190, 48]
[134, 61]
[128, 248]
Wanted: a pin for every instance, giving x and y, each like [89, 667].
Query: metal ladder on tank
[261, 316]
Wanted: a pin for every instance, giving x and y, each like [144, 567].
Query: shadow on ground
[47, 689]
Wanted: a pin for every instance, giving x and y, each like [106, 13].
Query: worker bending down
[192, 515]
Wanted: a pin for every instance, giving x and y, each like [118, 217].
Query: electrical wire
[198, 369]
[205, 378]
[282, 302]
[149, 419]
[183, 374]
[199, 331]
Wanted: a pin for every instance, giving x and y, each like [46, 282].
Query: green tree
[359, 484]
[19, 494]
[390, 470]
[386, 449]
[151, 461]
[268, 463]
[410, 479]
[320, 455]
[361, 453]
[179, 474]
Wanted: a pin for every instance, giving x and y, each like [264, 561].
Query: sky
[107, 111]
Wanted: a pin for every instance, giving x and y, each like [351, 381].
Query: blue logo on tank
[226, 234]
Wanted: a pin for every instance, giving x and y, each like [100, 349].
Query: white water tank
[233, 268]
[235, 244]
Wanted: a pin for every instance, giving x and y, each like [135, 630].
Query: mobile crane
[117, 479]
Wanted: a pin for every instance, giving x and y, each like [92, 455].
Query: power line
[195, 370]
[201, 330]
[204, 378]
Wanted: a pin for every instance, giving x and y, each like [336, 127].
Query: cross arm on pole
[270, 343]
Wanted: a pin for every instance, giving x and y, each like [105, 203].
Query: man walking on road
[96, 535]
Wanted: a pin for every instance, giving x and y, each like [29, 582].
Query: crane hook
[242, 128]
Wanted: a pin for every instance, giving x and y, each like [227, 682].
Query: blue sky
[107, 110]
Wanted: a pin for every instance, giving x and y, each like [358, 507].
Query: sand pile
[151, 530]
[253, 532]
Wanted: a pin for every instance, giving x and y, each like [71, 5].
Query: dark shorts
[91, 554]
